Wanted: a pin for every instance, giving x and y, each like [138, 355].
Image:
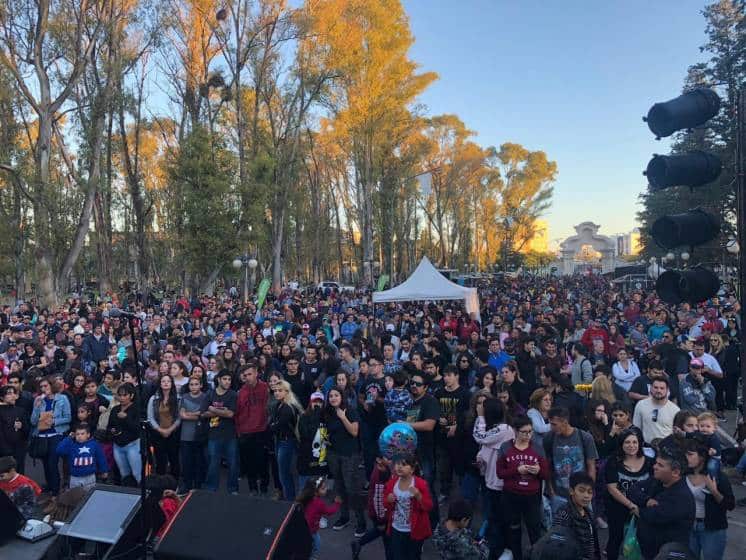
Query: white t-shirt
[402, 509]
[709, 360]
[654, 420]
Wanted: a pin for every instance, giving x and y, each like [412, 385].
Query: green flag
[382, 281]
[261, 293]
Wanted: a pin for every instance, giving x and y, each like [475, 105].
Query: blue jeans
[128, 459]
[218, 449]
[315, 544]
[470, 487]
[707, 544]
[285, 451]
[427, 467]
[741, 466]
[713, 467]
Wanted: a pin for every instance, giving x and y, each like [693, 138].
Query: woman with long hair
[540, 403]
[626, 467]
[616, 341]
[486, 380]
[513, 409]
[713, 499]
[511, 378]
[602, 389]
[164, 420]
[50, 417]
[466, 374]
[490, 432]
[124, 428]
[343, 425]
[284, 427]
[342, 380]
[178, 374]
[472, 480]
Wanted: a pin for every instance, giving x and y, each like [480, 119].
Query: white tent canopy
[426, 283]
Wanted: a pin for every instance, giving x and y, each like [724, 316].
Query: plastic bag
[630, 545]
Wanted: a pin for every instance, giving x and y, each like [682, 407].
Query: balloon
[397, 440]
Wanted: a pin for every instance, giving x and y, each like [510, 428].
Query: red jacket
[315, 510]
[419, 518]
[251, 409]
[468, 327]
[377, 497]
[593, 333]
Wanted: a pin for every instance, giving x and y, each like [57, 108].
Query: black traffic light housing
[688, 110]
[691, 285]
[690, 228]
[692, 169]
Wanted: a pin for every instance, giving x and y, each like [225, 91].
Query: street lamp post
[249, 263]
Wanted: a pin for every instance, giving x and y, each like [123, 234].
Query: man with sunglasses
[423, 416]
[654, 415]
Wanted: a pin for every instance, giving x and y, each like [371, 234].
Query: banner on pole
[382, 281]
[261, 293]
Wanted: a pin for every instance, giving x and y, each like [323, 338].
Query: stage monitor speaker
[104, 514]
[12, 519]
[212, 526]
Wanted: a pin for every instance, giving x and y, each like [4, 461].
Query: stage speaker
[212, 526]
[12, 519]
[104, 514]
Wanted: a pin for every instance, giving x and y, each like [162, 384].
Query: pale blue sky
[570, 77]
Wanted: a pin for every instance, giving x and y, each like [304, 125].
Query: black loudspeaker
[212, 526]
[11, 519]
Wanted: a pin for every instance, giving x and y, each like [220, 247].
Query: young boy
[708, 427]
[21, 490]
[84, 455]
[576, 515]
[452, 538]
[398, 400]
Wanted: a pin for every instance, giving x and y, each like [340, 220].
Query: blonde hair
[537, 396]
[708, 416]
[290, 398]
[602, 389]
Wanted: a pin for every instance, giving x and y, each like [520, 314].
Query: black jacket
[12, 440]
[716, 517]
[669, 521]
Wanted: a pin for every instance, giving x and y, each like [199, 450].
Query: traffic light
[688, 229]
[692, 285]
[688, 110]
[692, 169]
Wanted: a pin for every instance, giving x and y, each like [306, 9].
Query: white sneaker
[323, 523]
[506, 555]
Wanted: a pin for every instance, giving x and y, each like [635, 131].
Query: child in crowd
[576, 515]
[82, 416]
[21, 490]
[708, 427]
[314, 508]
[398, 400]
[376, 508]
[452, 538]
[408, 505]
[84, 456]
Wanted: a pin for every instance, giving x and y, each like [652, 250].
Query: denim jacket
[61, 413]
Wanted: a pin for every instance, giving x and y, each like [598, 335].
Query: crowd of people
[567, 406]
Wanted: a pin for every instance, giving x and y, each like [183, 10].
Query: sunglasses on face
[416, 383]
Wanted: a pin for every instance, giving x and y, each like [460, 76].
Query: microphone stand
[144, 521]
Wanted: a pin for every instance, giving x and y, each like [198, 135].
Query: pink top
[315, 510]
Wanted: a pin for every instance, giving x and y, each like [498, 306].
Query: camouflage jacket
[458, 545]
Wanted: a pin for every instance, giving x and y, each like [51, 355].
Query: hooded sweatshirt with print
[490, 442]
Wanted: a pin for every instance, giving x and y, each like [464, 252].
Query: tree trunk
[18, 245]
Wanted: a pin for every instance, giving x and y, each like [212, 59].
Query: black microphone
[116, 312]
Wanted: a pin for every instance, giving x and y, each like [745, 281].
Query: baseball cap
[306, 326]
[317, 396]
[696, 362]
